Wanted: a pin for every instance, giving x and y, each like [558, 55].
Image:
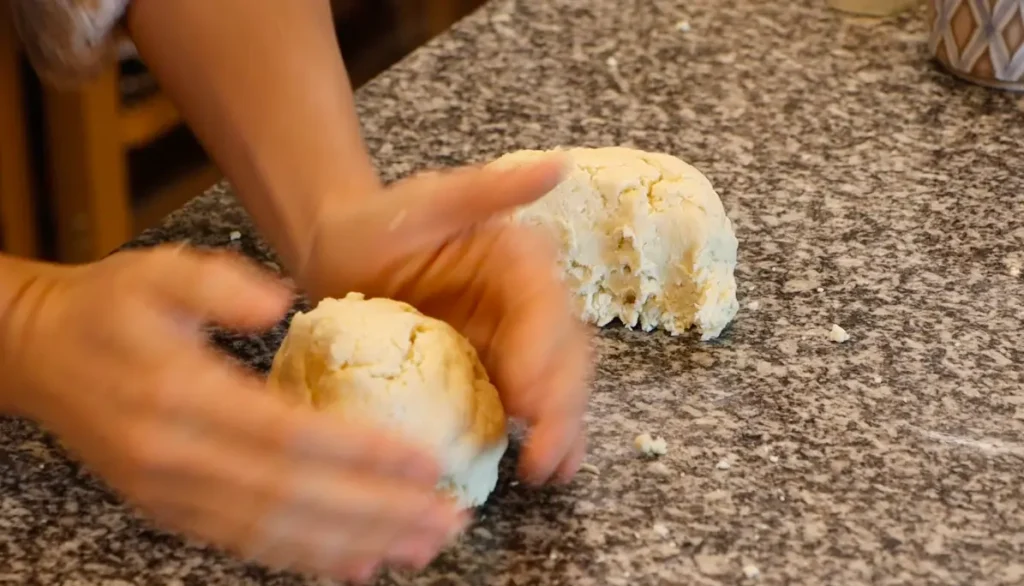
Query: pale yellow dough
[381, 362]
[643, 237]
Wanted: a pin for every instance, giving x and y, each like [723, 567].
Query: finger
[460, 199]
[428, 210]
[233, 428]
[258, 501]
[540, 356]
[337, 536]
[537, 321]
[229, 402]
[573, 459]
[556, 409]
[220, 287]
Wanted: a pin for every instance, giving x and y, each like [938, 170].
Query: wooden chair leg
[88, 168]
[18, 221]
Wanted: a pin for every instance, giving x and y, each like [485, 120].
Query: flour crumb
[723, 464]
[754, 305]
[553, 555]
[820, 289]
[773, 459]
[659, 469]
[484, 533]
[1013, 266]
[584, 507]
[612, 62]
[838, 334]
[751, 572]
[660, 529]
[235, 235]
[650, 446]
[590, 469]
[683, 26]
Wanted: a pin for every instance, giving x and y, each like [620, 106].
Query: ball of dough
[643, 238]
[379, 361]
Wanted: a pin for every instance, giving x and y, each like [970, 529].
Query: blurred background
[83, 171]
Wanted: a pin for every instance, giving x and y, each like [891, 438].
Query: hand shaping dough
[378, 361]
[643, 237]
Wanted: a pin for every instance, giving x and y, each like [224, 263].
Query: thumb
[425, 210]
[217, 287]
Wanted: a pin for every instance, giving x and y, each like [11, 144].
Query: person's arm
[263, 85]
[22, 284]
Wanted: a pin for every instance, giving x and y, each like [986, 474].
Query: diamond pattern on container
[962, 24]
[1013, 33]
[980, 38]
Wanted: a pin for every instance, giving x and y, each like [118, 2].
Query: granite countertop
[868, 189]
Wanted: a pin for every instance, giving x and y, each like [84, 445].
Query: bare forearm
[263, 85]
[22, 285]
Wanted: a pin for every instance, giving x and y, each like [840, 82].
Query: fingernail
[564, 164]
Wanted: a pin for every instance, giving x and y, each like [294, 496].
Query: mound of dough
[644, 239]
[381, 362]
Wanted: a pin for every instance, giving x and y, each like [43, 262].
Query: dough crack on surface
[643, 238]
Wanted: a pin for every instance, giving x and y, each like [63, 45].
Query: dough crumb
[650, 446]
[754, 305]
[584, 507]
[612, 62]
[773, 458]
[838, 334]
[723, 464]
[590, 469]
[751, 571]
[683, 26]
[659, 469]
[820, 289]
[235, 235]
[660, 529]
[484, 533]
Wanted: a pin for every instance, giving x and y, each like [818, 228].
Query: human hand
[112, 359]
[434, 241]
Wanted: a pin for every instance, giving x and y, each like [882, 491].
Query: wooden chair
[90, 131]
[18, 222]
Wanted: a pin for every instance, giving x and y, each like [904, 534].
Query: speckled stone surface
[868, 189]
